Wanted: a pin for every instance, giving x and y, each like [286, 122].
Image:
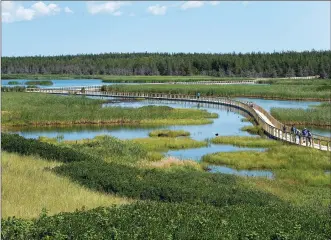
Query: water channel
[228, 123]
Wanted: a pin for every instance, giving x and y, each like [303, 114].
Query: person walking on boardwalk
[304, 134]
[198, 95]
[298, 133]
[309, 136]
[294, 132]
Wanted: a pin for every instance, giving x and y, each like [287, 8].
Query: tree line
[277, 64]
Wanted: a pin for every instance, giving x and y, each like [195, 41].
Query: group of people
[304, 133]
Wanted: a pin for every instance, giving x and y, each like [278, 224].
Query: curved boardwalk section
[271, 126]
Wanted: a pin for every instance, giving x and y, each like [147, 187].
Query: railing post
[319, 143]
[328, 146]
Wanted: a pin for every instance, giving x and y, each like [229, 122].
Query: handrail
[275, 131]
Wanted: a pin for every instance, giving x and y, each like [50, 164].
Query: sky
[32, 28]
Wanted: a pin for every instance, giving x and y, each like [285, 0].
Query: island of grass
[39, 83]
[319, 115]
[52, 110]
[14, 83]
[243, 141]
[169, 133]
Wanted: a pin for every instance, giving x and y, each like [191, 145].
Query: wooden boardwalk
[272, 127]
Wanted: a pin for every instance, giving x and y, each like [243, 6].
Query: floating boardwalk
[272, 127]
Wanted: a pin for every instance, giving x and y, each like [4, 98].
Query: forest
[277, 64]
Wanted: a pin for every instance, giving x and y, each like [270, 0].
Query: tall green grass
[317, 115]
[28, 187]
[260, 91]
[169, 133]
[33, 109]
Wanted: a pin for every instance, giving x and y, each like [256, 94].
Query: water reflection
[246, 173]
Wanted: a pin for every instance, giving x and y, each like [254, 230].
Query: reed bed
[169, 133]
[259, 91]
[314, 116]
[46, 110]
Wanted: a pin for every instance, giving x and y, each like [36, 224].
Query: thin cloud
[192, 4]
[246, 3]
[214, 3]
[157, 10]
[14, 12]
[111, 7]
[68, 10]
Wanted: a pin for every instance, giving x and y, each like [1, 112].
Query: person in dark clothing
[293, 131]
[304, 134]
[309, 136]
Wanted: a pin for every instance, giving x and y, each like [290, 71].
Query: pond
[60, 83]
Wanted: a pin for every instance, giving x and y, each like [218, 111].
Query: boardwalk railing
[260, 116]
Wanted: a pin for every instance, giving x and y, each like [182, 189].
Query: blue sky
[56, 28]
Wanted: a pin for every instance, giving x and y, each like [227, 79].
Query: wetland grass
[291, 163]
[255, 91]
[245, 141]
[46, 110]
[169, 133]
[27, 188]
[167, 143]
[314, 116]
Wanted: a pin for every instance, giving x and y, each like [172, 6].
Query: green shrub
[153, 220]
[21, 145]
[154, 184]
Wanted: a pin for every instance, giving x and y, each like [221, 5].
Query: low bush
[17, 144]
[152, 220]
[154, 184]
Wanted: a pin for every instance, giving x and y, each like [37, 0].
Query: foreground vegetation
[23, 109]
[177, 202]
[278, 64]
[258, 91]
[314, 116]
[154, 220]
[28, 187]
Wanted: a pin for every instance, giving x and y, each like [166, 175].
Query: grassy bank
[242, 141]
[314, 116]
[24, 109]
[28, 187]
[186, 203]
[258, 91]
[169, 133]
